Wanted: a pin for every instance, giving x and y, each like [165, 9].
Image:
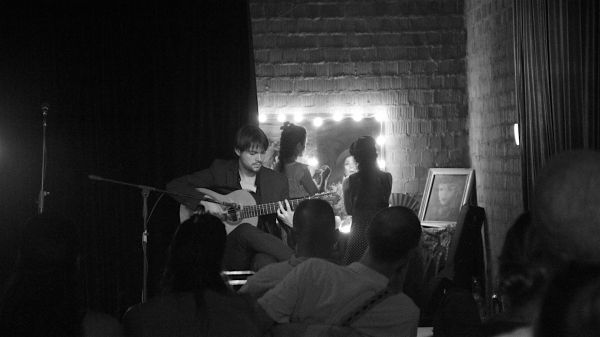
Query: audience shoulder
[101, 324]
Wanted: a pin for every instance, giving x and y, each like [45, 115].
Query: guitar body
[240, 207]
[240, 197]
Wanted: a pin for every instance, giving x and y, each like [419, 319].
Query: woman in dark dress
[365, 193]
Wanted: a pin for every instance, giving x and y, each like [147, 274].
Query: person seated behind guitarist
[247, 247]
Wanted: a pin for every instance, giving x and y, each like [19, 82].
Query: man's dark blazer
[223, 177]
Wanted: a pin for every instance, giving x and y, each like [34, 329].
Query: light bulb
[317, 122]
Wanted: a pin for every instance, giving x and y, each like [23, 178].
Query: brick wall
[492, 112]
[403, 57]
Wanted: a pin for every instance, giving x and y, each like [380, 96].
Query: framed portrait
[446, 191]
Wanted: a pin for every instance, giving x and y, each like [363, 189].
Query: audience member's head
[522, 276]
[42, 296]
[565, 209]
[393, 233]
[314, 228]
[571, 306]
[364, 151]
[195, 256]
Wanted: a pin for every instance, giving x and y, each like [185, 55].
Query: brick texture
[408, 56]
[492, 112]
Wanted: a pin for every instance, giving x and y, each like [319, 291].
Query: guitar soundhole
[232, 215]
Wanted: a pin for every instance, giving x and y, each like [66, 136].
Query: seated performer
[363, 296]
[315, 236]
[247, 247]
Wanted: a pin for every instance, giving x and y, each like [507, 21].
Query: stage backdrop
[137, 93]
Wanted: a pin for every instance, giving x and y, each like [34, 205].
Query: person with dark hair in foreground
[318, 297]
[566, 220]
[522, 279]
[196, 301]
[248, 247]
[365, 192]
[43, 296]
[572, 304]
[315, 235]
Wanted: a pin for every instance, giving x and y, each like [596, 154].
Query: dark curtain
[557, 80]
[137, 93]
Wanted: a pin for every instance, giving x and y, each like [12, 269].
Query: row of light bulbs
[297, 115]
[314, 162]
[337, 114]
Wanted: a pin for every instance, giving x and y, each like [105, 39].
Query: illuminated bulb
[318, 121]
[298, 117]
[381, 140]
[281, 118]
[357, 115]
[345, 228]
[262, 118]
[338, 116]
[381, 164]
[312, 161]
[380, 114]
[516, 132]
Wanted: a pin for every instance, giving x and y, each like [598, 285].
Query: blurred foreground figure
[43, 296]
[196, 300]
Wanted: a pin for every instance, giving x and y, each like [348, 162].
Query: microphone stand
[145, 194]
[43, 193]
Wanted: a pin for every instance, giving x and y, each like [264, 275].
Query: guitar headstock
[331, 197]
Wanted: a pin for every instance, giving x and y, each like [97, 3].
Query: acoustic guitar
[240, 206]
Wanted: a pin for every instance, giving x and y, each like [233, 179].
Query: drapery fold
[140, 93]
[557, 80]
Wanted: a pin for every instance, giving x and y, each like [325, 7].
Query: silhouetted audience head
[522, 276]
[565, 209]
[393, 233]
[194, 260]
[522, 279]
[196, 300]
[314, 228]
[571, 306]
[364, 151]
[43, 295]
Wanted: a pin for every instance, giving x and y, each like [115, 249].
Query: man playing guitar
[247, 247]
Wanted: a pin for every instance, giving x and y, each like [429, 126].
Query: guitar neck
[269, 208]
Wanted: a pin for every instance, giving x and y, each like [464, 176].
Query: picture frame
[446, 191]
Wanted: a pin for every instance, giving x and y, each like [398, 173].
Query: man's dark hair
[521, 274]
[195, 256]
[249, 136]
[314, 227]
[565, 207]
[571, 306]
[392, 233]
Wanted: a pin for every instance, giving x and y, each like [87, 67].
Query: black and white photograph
[413, 168]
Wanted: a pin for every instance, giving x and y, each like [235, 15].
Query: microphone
[94, 177]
